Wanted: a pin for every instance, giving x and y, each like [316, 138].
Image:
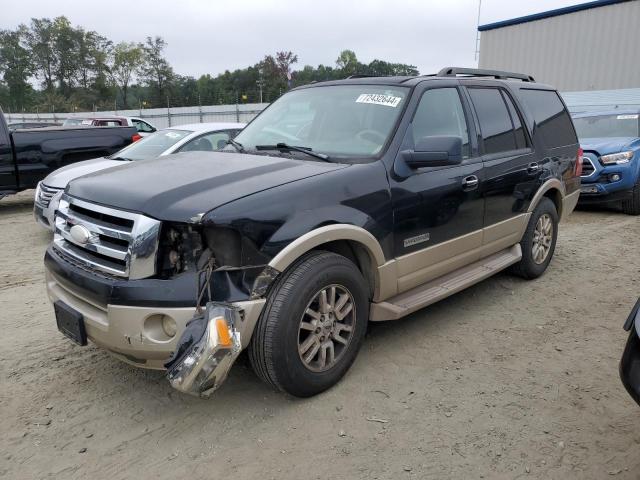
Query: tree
[347, 62]
[66, 49]
[284, 60]
[93, 56]
[15, 66]
[124, 61]
[156, 71]
[382, 68]
[39, 39]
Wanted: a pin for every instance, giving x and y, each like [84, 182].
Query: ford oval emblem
[80, 234]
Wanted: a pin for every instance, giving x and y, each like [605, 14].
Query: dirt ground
[509, 379]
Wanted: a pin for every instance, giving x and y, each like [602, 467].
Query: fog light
[614, 177]
[169, 326]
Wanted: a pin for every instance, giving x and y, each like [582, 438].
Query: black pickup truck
[343, 202]
[29, 155]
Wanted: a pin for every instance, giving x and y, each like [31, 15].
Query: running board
[440, 288]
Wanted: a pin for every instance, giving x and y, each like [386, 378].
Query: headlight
[206, 350]
[37, 195]
[180, 247]
[616, 158]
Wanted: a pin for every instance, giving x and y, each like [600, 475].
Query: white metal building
[590, 46]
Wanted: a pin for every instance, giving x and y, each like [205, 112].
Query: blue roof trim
[549, 14]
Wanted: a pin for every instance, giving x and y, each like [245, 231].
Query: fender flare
[326, 234]
[551, 184]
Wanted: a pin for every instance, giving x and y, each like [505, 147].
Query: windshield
[607, 126]
[152, 146]
[339, 120]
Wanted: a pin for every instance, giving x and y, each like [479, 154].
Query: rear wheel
[539, 241]
[631, 206]
[312, 326]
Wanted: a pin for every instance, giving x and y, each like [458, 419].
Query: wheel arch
[350, 241]
[552, 189]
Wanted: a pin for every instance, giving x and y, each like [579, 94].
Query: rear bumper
[630, 365]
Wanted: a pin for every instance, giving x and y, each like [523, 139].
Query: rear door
[510, 168]
[438, 211]
[8, 180]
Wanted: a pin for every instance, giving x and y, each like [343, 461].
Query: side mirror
[434, 151]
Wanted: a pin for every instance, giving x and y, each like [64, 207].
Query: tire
[631, 206]
[280, 334]
[533, 265]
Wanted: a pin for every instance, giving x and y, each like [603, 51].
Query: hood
[62, 176]
[607, 145]
[178, 187]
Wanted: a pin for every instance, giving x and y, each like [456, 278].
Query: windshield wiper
[237, 145]
[284, 146]
[120, 158]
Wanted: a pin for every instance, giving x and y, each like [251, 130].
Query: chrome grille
[45, 194]
[106, 240]
[587, 167]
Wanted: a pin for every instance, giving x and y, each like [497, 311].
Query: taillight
[135, 138]
[578, 169]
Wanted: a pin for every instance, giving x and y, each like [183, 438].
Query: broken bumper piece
[206, 350]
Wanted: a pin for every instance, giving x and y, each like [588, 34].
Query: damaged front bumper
[134, 334]
[207, 349]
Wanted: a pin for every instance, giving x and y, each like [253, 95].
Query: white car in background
[206, 137]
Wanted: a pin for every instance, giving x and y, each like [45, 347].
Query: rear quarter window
[553, 122]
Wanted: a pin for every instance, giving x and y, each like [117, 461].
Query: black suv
[343, 202]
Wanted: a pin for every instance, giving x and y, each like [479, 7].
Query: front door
[438, 211]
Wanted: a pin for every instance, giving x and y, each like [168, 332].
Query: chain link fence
[159, 117]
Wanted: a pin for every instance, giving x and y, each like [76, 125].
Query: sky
[214, 36]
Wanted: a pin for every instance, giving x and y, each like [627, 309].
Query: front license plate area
[70, 323]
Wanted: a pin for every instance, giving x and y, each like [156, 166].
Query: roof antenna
[478, 34]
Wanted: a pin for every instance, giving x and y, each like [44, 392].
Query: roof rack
[361, 75]
[479, 72]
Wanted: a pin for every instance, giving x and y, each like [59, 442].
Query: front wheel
[631, 206]
[539, 241]
[312, 326]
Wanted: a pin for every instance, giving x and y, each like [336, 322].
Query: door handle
[470, 182]
[533, 167]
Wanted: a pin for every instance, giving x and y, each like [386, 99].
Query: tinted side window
[552, 119]
[521, 139]
[440, 112]
[495, 122]
[207, 143]
[142, 126]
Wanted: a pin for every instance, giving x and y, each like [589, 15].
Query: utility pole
[260, 83]
[168, 112]
[478, 32]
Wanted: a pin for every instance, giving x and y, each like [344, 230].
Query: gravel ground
[509, 379]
